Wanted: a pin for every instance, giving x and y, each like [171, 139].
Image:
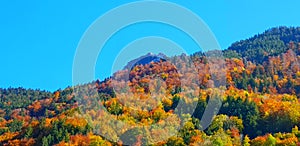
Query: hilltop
[272, 42]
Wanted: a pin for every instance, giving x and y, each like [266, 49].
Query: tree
[187, 132]
[29, 131]
[271, 141]
[15, 125]
[243, 109]
[246, 141]
[218, 142]
[223, 122]
[45, 141]
[175, 141]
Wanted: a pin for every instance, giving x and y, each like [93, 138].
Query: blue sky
[38, 39]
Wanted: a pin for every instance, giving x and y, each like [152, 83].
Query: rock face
[146, 59]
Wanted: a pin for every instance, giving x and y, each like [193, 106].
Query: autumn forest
[248, 95]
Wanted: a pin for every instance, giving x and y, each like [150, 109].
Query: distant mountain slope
[13, 98]
[146, 59]
[270, 43]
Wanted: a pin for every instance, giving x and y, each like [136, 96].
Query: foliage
[260, 90]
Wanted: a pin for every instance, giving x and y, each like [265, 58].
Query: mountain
[272, 42]
[257, 90]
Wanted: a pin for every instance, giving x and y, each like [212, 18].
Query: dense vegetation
[272, 42]
[260, 101]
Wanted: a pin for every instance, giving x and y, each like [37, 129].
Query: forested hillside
[272, 42]
[259, 95]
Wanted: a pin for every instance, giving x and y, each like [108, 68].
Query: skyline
[39, 39]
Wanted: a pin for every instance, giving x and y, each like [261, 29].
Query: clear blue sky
[38, 38]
